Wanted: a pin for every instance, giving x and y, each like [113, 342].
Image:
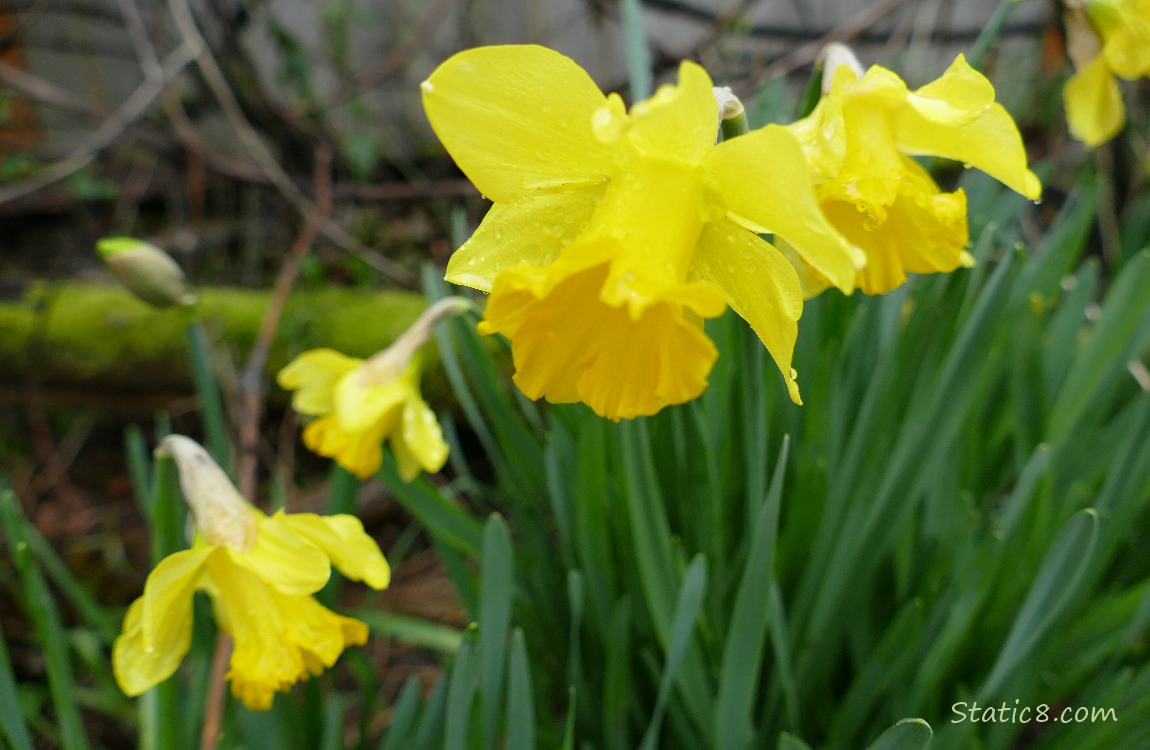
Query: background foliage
[955, 515]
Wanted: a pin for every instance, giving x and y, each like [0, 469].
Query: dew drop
[1038, 201]
[794, 374]
[498, 233]
[471, 261]
[966, 165]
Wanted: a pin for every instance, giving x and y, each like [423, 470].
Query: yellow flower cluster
[1109, 39]
[260, 573]
[614, 234]
[860, 139]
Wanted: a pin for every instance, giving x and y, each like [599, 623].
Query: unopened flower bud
[147, 271]
[221, 513]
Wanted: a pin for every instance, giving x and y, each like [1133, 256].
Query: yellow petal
[1127, 39]
[763, 181]
[570, 346]
[534, 230]
[1094, 108]
[759, 284]
[419, 443]
[283, 559]
[362, 406]
[646, 226]
[957, 97]
[278, 639]
[679, 123]
[358, 452]
[343, 539]
[313, 375]
[922, 231]
[166, 615]
[518, 119]
[991, 143]
[158, 627]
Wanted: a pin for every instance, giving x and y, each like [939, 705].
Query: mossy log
[99, 338]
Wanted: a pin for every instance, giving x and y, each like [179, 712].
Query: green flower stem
[637, 49]
[208, 392]
[159, 708]
[989, 33]
[735, 126]
[732, 115]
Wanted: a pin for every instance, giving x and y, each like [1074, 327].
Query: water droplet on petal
[794, 374]
[498, 233]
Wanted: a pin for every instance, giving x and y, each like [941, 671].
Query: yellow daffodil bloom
[859, 140]
[1110, 40]
[613, 234]
[360, 403]
[260, 573]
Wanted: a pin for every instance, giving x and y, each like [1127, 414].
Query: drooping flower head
[361, 403]
[613, 234]
[859, 140]
[260, 573]
[1108, 39]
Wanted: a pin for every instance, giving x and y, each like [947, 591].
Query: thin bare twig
[252, 379]
[214, 707]
[395, 59]
[45, 91]
[251, 140]
[111, 129]
[809, 51]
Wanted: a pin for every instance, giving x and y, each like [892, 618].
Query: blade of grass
[443, 519]
[12, 725]
[1055, 586]
[412, 630]
[404, 714]
[461, 694]
[687, 608]
[496, 583]
[908, 734]
[46, 621]
[746, 635]
[520, 701]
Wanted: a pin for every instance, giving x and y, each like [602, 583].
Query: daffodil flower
[1108, 39]
[260, 573]
[613, 234]
[361, 403]
[860, 139]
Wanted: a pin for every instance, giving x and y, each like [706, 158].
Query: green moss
[103, 337]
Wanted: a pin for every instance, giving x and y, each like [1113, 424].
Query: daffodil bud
[147, 271]
[222, 515]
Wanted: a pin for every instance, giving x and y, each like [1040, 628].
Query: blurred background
[218, 129]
